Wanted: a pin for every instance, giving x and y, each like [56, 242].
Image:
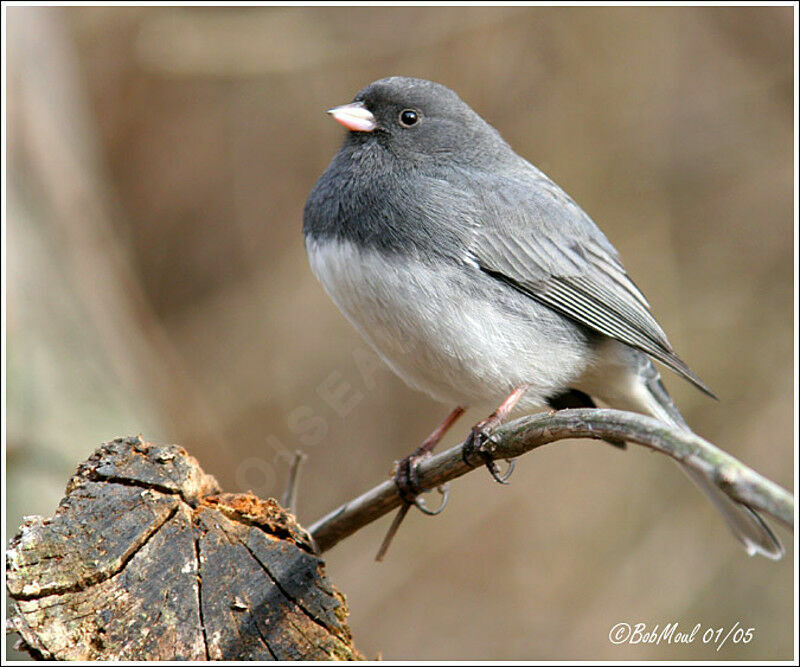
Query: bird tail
[747, 526]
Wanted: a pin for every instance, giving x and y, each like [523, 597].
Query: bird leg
[407, 480]
[405, 476]
[482, 432]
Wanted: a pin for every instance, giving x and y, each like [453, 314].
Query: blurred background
[158, 163]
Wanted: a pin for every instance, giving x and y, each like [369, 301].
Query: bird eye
[408, 117]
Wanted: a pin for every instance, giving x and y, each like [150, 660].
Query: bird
[478, 280]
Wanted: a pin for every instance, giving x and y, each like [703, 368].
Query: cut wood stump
[146, 559]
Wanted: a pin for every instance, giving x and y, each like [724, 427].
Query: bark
[145, 559]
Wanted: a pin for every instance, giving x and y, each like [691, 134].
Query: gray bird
[477, 279]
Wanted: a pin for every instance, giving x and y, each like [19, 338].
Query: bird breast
[448, 329]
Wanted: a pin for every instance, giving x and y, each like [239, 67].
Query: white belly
[460, 348]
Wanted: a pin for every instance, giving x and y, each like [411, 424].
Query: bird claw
[476, 444]
[444, 491]
[406, 478]
[495, 471]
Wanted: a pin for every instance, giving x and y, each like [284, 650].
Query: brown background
[158, 162]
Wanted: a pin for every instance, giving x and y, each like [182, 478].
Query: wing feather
[546, 247]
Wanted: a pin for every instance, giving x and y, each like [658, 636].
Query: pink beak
[355, 117]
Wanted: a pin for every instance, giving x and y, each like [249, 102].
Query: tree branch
[527, 433]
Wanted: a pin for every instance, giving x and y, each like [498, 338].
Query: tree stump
[145, 559]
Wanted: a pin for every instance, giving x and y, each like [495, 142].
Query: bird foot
[477, 444]
[406, 478]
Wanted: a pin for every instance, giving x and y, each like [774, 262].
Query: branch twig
[289, 498]
[523, 435]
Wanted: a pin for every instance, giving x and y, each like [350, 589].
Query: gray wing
[537, 240]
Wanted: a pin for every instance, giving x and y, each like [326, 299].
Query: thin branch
[526, 434]
[289, 498]
[398, 519]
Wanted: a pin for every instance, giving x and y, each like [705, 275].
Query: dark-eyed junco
[478, 279]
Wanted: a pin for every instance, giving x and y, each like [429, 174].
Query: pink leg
[505, 408]
[429, 444]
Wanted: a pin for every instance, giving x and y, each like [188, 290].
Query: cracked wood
[145, 559]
